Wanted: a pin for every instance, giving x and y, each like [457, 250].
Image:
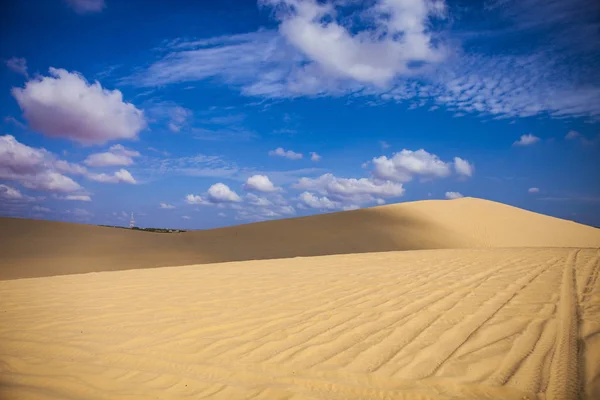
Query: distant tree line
[157, 230]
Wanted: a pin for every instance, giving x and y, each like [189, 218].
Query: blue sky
[201, 114]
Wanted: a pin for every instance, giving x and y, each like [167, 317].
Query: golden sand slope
[442, 324]
[32, 248]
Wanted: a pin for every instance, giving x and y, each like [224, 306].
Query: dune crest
[50, 248]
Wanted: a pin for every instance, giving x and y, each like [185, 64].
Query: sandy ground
[30, 248]
[436, 324]
[462, 299]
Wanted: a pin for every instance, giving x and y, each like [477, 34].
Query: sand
[31, 248]
[484, 301]
[440, 324]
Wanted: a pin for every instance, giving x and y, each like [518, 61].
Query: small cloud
[40, 209]
[14, 121]
[18, 65]
[280, 152]
[86, 6]
[533, 190]
[260, 183]
[121, 176]
[186, 217]
[314, 156]
[167, 206]
[463, 167]
[116, 156]
[384, 145]
[454, 195]
[526, 140]
[219, 193]
[572, 135]
[8, 192]
[222, 214]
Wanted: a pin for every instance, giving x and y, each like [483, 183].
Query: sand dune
[32, 248]
[439, 324]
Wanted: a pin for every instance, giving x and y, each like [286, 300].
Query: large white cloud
[406, 164]
[399, 37]
[260, 183]
[65, 105]
[350, 191]
[32, 168]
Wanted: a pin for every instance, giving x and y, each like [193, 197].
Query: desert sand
[33, 248]
[507, 307]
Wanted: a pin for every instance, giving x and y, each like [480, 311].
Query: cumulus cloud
[400, 37]
[526, 140]
[167, 206]
[406, 164]
[533, 190]
[33, 168]
[463, 167]
[260, 183]
[454, 195]
[322, 203]
[116, 156]
[121, 176]
[346, 191]
[314, 156]
[219, 193]
[65, 105]
[280, 152]
[18, 65]
[7, 192]
[86, 6]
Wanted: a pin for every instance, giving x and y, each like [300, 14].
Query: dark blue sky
[198, 114]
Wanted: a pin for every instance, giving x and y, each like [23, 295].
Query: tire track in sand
[433, 357]
[564, 382]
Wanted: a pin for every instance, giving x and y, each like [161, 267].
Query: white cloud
[401, 38]
[179, 116]
[116, 156]
[463, 167]
[86, 6]
[65, 105]
[280, 152]
[346, 191]
[18, 65]
[32, 168]
[80, 213]
[186, 217]
[314, 156]
[222, 214]
[121, 176]
[75, 197]
[384, 145]
[454, 195]
[526, 140]
[217, 194]
[322, 203]
[221, 193]
[406, 164]
[533, 190]
[40, 209]
[260, 183]
[7, 192]
[167, 206]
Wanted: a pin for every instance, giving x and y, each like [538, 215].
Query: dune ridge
[50, 248]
